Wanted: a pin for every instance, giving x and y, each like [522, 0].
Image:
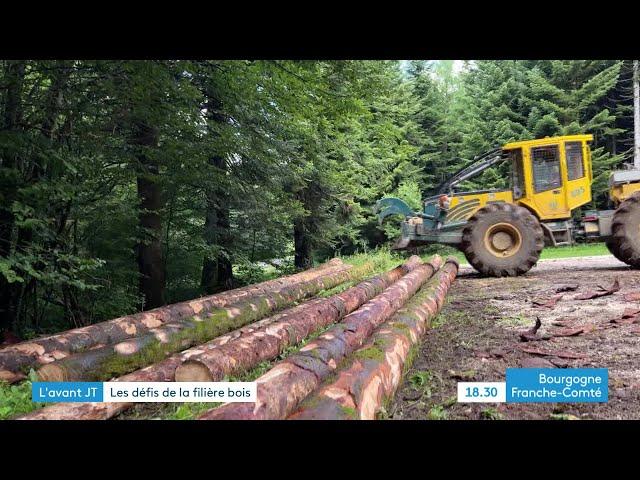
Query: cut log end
[193, 371]
[11, 377]
[52, 373]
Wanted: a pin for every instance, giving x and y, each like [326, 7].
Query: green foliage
[254, 163]
[190, 410]
[584, 250]
[518, 100]
[15, 400]
[409, 191]
[437, 412]
[421, 382]
[491, 414]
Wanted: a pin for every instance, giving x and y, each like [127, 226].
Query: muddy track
[477, 336]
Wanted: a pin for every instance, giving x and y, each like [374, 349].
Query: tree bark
[9, 181]
[217, 272]
[14, 79]
[636, 115]
[21, 356]
[118, 359]
[282, 388]
[374, 372]
[302, 244]
[149, 249]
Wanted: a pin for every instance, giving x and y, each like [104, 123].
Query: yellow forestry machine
[502, 232]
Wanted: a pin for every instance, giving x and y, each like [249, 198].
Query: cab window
[546, 168]
[517, 173]
[575, 165]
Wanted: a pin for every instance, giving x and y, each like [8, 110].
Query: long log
[373, 373]
[345, 302]
[158, 372]
[118, 359]
[215, 361]
[280, 390]
[16, 359]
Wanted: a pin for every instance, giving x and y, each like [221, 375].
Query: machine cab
[551, 176]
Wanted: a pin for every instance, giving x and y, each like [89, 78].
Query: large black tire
[624, 242]
[502, 240]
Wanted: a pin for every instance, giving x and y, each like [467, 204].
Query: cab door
[578, 191]
[548, 172]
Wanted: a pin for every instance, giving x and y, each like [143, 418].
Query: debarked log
[288, 328]
[281, 389]
[164, 371]
[118, 359]
[15, 360]
[373, 373]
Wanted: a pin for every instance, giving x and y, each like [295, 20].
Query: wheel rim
[503, 240]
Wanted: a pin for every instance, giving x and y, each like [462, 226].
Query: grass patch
[256, 372]
[563, 416]
[437, 413]
[491, 414]
[443, 250]
[515, 321]
[338, 289]
[369, 353]
[581, 250]
[191, 410]
[421, 382]
[438, 320]
[383, 259]
[349, 412]
[451, 316]
[491, 309]
[450, 402]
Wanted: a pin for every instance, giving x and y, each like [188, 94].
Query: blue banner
[557, 385]
[561, 385]
[67, 391]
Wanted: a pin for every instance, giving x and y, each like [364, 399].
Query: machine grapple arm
[477, 166]
[391, 206]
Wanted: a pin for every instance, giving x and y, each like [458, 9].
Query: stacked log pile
[15, 360]
[289, 327]
[348, 371]
[123, 357]
[373, 373]
[281, 389]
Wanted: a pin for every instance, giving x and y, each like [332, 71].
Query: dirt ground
[477, 337]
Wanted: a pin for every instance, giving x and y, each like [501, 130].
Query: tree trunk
[9, 181]
[282, 388]
[636, 115]
[217, 272]
[14, 78]
[15, 358]
[55, 98]
[149, 249]
[302, 244]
